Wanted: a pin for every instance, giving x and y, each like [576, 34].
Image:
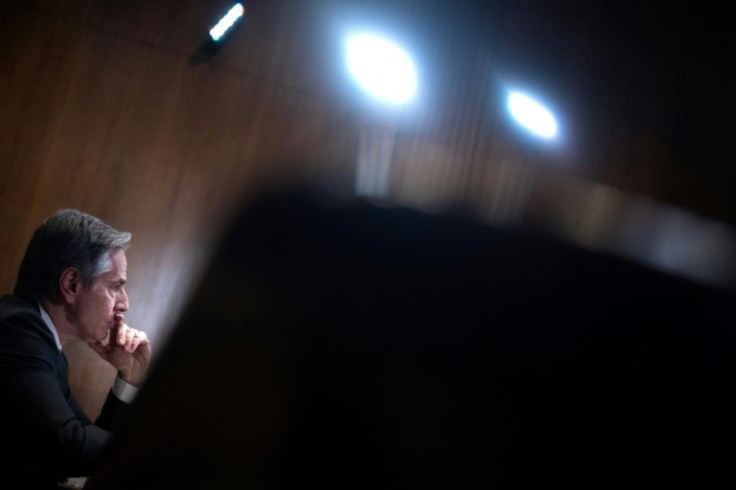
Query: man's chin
[99, 339]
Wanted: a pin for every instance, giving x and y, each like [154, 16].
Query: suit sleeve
[113, 413]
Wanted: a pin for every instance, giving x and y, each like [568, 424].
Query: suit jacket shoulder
[23, 329]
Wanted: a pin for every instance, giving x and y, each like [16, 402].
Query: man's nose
[122, 302]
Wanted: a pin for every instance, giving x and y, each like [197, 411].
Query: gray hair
[68, 238]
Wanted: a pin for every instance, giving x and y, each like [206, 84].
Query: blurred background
[128, 110]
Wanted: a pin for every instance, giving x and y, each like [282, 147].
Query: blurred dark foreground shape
[345, 345]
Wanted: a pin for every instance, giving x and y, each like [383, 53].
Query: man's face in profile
[94, 308]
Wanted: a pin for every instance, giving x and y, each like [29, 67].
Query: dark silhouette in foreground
[353, 346]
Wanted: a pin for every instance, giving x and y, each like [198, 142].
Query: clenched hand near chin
[128, 350]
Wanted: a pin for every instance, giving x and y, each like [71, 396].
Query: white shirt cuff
[123, 390]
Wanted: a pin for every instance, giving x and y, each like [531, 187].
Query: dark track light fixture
[226, 25]
[219, 34]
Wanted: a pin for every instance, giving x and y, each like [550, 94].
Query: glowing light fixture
[532, 115]
[381, 68]
[224, 24]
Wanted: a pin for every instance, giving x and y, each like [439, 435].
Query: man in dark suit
[71, 283]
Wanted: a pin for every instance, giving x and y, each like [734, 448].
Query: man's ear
[70, 283]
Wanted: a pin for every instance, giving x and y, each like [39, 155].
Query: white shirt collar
[47, 320]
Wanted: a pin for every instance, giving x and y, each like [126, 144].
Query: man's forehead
[119, 263]
[118, 258]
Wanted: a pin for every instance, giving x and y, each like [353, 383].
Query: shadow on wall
[348, 345]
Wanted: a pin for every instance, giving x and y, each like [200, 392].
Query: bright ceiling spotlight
[227, 22]
[532, 115]
[381, 68]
